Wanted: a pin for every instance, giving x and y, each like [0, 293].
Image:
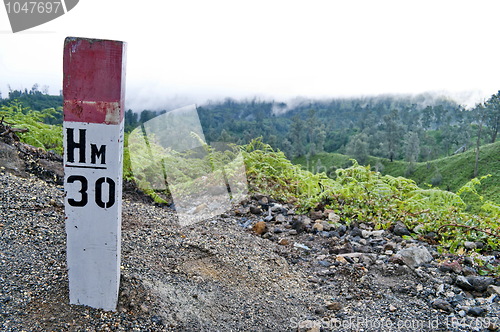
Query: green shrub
[39, 134]
[362, 195]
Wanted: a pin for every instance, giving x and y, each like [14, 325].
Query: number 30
[84, 197]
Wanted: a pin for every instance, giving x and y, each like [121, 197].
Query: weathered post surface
[93, 89]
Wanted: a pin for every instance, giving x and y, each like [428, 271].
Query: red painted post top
[94, 80]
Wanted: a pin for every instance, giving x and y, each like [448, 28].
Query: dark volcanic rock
[400, 229]
[442, 305]
[299, 226]
[316, 215]
[20, 159]
[476, 311]
[474, 283]
[255, 210]
[355, 231]
[216, 275]
[10, 160]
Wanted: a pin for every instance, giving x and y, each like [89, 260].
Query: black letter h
[72, 145]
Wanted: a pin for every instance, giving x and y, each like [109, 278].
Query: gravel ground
[227, 274]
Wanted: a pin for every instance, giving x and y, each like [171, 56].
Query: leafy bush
[361, 195]
[39, 134]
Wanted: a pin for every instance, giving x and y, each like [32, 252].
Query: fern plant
[39, 134]
[359, 194]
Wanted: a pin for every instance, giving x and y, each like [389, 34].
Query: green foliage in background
[449, 173]
[37, 99]
[40, 134]
[359, 194]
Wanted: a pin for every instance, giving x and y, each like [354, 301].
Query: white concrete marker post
[93, 89]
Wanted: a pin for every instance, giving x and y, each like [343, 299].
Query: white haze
[192, 51]
[140, 99]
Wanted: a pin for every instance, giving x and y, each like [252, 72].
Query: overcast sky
[196, 50]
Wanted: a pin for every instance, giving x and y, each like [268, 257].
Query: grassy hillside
[448, 173]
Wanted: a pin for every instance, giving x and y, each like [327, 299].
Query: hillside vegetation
[360, 194]
[36, 100]
[449, 173]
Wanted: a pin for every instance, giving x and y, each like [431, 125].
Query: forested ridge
[417, 128]
[411, 128]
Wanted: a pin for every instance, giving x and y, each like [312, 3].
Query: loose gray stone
[301, 246]
[280, 218]
[415, 256]
[9, 159]
[326, 226]
[492, 289]
[263, 200]
[324, 263]
[365, 234]
[268, 218]
[333, 217]
[309, 326]
[418, 229]
[470, 245]
[335, 306]
[318, 227]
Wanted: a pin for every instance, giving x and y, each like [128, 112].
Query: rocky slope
[258, 267]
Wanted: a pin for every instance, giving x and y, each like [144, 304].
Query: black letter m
[95, 153]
